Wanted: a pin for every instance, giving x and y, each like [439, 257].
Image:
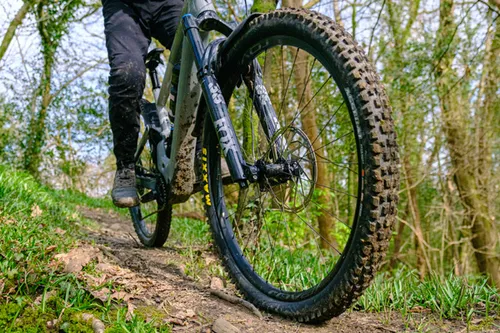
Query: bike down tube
[216, 104]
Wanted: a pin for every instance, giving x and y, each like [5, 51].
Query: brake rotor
[292, 146]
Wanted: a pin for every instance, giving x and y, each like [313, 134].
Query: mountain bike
[282, 124]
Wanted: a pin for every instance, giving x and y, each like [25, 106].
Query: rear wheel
[304, 245]
[152, 217]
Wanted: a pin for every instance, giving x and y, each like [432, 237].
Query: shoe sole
[126, 202]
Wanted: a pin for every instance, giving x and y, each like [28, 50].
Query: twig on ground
[380, 327]
[237, 300]
[108, 253]
[135, 240]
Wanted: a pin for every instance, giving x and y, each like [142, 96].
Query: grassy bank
[37, 223]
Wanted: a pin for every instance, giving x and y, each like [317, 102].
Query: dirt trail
[155, 279]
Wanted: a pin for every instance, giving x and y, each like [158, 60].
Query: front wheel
[305, 245]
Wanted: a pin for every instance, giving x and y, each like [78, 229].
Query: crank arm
[146, 182]
[148, 197]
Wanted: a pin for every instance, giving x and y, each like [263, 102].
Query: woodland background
[439, 61]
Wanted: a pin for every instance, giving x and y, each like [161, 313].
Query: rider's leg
[127, 45]
[128, 28]
[166, 16]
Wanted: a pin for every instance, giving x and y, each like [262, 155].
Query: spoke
[321, 253]
[307, 104]
[336, 190]
[327, 123]
[315, 94]
[334, 216]
[287, 84]
[148, 197]
[271, 244]
[151, 214]
[317, 233]
[342, 165]
[307, 81]
[334, 140]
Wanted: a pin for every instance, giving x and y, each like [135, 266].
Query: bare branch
[78, 75]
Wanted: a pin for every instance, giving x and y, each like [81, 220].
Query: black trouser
[129, 26]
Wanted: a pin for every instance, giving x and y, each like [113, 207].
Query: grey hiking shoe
[124, 192]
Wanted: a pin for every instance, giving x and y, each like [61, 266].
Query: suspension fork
[263, 106]
[217, 106]
[218, 110]
[261, 101]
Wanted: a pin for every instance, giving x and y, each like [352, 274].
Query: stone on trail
[221, 325]
[216, 283]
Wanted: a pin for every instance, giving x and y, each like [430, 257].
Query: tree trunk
[484, 235]
[336, 12]
[400, 33]
[398, 237]
[36, 134]
[485, 115]
[411, 191]
[11, 30]
[310, 127]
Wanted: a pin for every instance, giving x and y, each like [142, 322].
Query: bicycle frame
[190, 49]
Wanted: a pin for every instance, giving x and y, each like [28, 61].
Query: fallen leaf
[51, 324]
[95, 281]
[176, 321]
[189, 313]
[121, 295]
[209, 260]
[105, 267]
[130, 311]
[221, 325]
[50, 248]
[59, 231]
[102, 294]
[36, 211]
[77, 258]
[419, 309]
[48, 295]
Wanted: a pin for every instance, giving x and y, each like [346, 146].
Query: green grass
[190, 232]
[75, 198]
[36, 223]
[449, 297]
